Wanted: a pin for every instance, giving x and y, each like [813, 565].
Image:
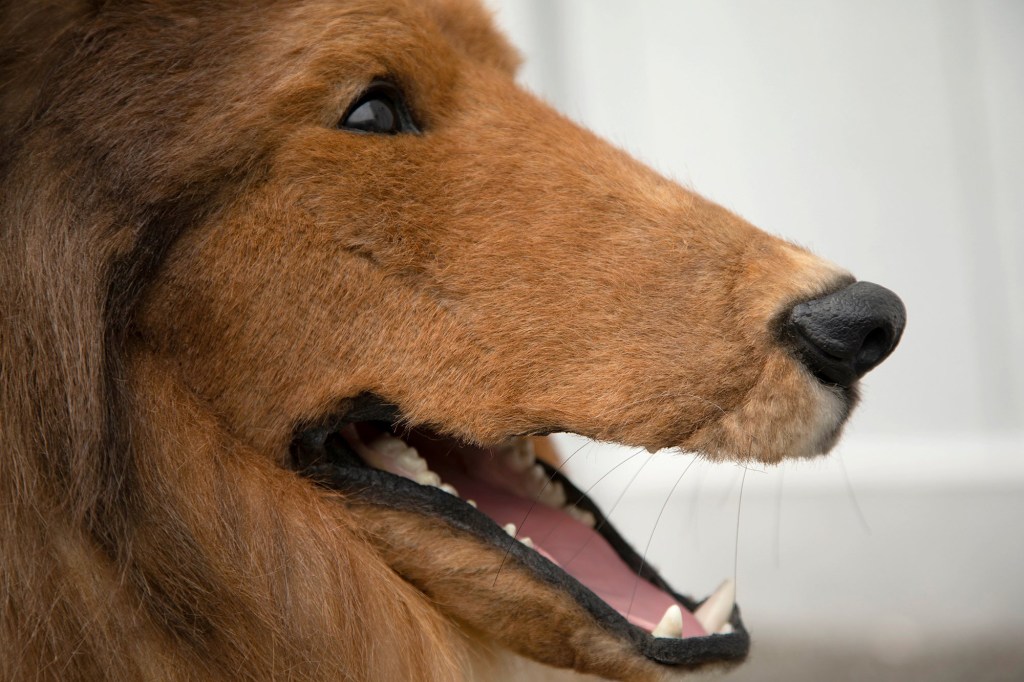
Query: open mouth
[526, 509]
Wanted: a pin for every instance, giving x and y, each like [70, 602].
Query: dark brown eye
[381, 110]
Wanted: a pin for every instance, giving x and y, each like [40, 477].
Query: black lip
[323, 456]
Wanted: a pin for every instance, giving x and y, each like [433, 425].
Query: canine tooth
[715, 612]
[510, 528]
[581, 515]
[449, 488]
[471, 503]
[428, 477]
[527, 541]
[671, 624]
[726, 629]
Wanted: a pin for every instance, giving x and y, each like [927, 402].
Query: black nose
[843, 335]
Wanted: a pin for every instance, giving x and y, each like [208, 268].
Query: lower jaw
[531, 512]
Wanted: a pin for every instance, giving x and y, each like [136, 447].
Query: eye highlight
[380, 110]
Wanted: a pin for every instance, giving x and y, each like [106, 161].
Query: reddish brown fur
[195, 261]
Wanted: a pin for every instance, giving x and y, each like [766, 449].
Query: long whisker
[723, 504]
[778, 519]
[591, 487]
[739, 510]
[533, 504]
[608, 514]
[643, 559]
[853, 497]
[694, 513]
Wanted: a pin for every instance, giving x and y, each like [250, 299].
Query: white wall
[888, 137]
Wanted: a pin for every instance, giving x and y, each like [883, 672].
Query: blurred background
[889, 138]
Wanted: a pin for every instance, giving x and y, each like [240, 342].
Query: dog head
[360, 235]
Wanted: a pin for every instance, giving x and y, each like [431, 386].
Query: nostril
[840, 337]
[874, 348]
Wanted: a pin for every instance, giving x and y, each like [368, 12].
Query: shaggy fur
[195, 260]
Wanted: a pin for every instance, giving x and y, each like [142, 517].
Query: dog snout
[843, 335]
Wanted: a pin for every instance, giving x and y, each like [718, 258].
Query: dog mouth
[529, 513]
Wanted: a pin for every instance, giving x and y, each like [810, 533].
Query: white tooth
[386, 444]
[715, 612]
[412, 462]
[553, 495]
[581, 515]
[726, 629]
[471, 503]
[537, 474]
[510, 528]
[448, 488]
[527, 541]
[520, 456]
[427, 478]
[671, 624]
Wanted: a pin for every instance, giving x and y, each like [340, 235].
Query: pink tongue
[577, 548]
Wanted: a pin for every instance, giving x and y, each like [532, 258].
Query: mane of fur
[136, 542]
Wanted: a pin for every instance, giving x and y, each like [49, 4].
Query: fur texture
[195, 260]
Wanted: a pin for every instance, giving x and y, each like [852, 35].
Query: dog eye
[381, 110]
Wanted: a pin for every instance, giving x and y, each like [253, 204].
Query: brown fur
[195, 261]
